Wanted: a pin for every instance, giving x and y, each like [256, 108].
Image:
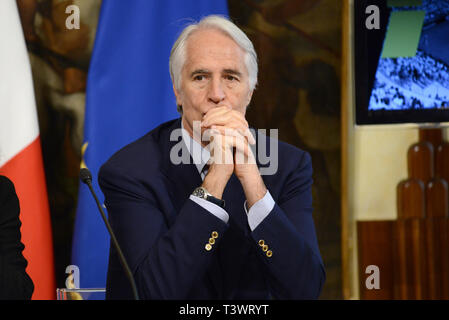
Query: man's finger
[236, 132]
[224, 117]
[216, 111]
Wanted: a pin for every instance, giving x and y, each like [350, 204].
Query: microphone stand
[86, 178]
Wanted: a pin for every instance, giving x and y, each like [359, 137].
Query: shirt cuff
[216, 210]
[258, 212]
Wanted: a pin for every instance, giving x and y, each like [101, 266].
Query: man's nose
[216, 92]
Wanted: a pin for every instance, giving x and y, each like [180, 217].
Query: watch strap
[201, 192]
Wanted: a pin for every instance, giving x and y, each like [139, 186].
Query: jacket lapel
[182, 177]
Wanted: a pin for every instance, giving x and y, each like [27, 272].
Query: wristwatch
[202, 193]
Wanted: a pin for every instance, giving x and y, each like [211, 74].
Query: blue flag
[129, 92]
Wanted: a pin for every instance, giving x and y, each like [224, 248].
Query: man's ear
[250, 95]
[178, 96]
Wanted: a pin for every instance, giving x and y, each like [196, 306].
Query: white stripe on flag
[18, 117]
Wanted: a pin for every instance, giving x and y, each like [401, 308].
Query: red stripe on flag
[26, 171]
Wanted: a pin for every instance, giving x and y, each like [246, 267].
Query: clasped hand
[229, 144]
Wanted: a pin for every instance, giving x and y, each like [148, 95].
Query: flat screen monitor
[401, 56]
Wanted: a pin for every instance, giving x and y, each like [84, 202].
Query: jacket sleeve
[165, 258]
[287, 242]
[15, 284]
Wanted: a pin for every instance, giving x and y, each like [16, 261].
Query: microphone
[86, 178]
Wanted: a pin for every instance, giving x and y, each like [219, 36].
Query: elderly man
[214, 227]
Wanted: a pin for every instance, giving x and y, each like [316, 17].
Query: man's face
[214, 75]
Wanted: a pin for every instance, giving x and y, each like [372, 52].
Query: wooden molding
[345, 98]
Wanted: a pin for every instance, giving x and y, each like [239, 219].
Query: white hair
[220, 23]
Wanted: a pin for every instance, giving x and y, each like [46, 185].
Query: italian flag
[20, 151]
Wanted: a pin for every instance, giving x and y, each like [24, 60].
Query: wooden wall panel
[409, 253]
[410, 199]
[418, 263]
[420, 161]
[375, 248]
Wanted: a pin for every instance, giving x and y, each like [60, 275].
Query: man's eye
[231, 78]
[199, 77]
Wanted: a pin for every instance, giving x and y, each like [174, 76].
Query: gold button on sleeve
[211, 240]
[261, 243]
[208, 247]
[214, 234]
[269, 253]
[264, 247]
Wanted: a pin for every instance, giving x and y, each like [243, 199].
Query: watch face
[199, 192]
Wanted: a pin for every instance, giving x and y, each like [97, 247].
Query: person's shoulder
[6, 187]
[286, 169]
[9, 202]
[144, 153]
[286, 154]
[5, 182]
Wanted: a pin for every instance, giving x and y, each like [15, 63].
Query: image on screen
[414, 75]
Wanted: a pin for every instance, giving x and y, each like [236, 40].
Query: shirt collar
[200, 155]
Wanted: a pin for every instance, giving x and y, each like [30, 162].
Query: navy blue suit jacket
[163, 233]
